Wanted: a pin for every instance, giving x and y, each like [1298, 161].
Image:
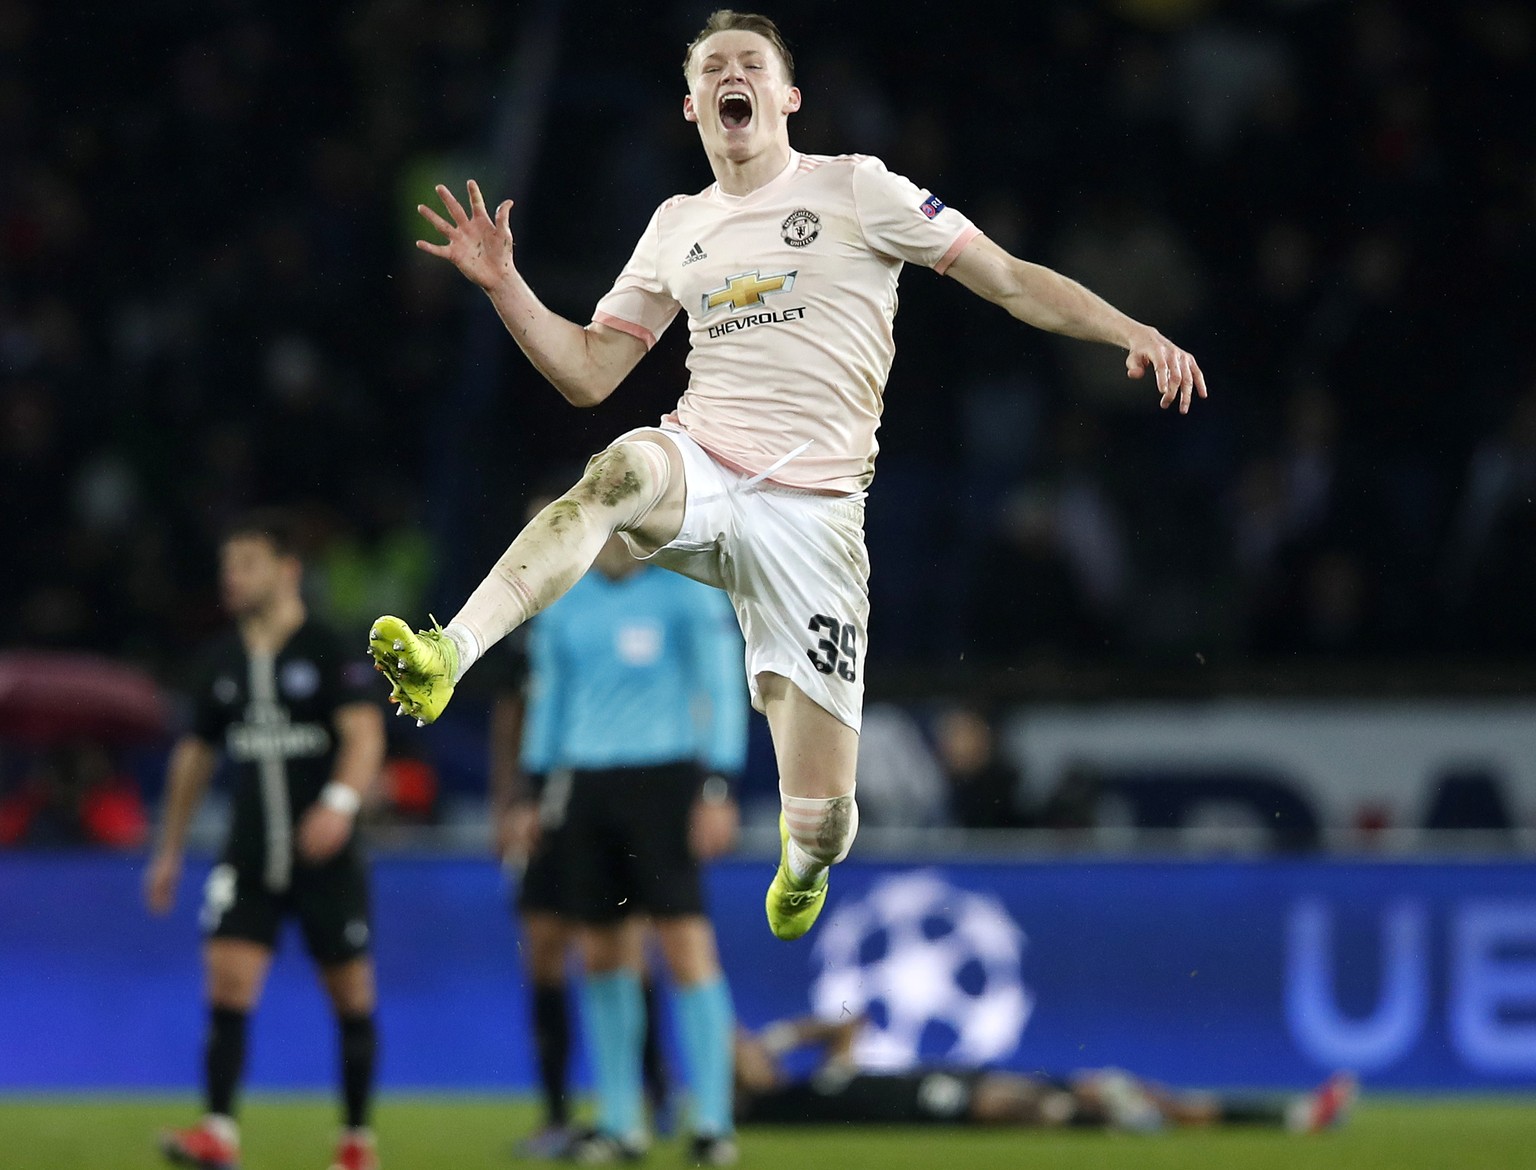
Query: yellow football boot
[421, 666]
[792, 906]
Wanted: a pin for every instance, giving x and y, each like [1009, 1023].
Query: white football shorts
[794, 565]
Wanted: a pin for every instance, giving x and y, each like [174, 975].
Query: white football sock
[222, 1126]
[465, 642]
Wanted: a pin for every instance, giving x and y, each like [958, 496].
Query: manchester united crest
[801, 228]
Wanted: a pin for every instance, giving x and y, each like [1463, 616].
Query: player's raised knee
[823, 829]
[629, 478]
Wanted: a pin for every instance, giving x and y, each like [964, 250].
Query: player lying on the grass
[787, 268]
[837, 1092]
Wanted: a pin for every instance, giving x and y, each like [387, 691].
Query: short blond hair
[726, 20]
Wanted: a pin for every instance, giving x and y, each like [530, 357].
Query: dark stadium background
[209, 300]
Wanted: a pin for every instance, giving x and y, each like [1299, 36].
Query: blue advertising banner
[1244, 973]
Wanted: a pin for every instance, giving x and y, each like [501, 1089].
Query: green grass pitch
[476, 1133]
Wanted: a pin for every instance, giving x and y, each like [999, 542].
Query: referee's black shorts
[615, 843]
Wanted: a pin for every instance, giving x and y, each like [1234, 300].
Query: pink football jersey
[790, 293]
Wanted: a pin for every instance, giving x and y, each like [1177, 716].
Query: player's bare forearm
[840, 1044]
[509, 786]
[1048, 300]
[329, 822]
[585, 364]
[1040, 296]
[359, 747]
[834, 1039]
[833, 1033]
[187, 776]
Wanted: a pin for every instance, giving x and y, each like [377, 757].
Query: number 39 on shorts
[837, 652]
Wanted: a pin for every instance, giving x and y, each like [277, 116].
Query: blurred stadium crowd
[209, 300]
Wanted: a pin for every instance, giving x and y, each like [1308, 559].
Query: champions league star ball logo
[935, 968]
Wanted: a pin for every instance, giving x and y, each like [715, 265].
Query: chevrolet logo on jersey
[745, 290]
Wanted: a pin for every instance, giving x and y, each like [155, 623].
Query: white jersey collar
[772, 184]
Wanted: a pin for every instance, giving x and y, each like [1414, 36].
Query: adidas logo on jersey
[694, 253]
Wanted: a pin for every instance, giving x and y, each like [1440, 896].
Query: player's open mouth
[735, 110]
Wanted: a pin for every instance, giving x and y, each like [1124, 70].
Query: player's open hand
[323, 832]
[478, 246]
[1178, 376]
[160, 882]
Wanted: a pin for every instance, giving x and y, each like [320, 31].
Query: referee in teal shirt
[634, 731]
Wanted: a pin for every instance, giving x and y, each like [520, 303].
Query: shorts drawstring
[778, 463]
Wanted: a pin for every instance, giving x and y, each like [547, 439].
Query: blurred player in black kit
[278, 697]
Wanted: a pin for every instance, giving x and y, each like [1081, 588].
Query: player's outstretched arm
[1048, 300]
[191, 767]
[834, 1037]
[584, 364]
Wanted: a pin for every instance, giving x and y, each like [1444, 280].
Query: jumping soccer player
[278, 698]
[787, 268]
